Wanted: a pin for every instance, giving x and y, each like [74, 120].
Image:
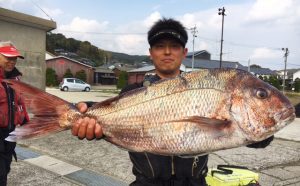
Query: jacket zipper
[11, 104]
[173, 169]
[150, 165]
[195, 163]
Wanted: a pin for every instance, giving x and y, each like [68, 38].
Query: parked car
[74, 84]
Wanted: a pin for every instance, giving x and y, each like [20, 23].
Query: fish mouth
[287, 115]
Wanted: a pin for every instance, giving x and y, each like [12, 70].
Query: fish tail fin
[48, 113]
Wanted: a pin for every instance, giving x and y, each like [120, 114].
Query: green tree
[266, 79]
[51, 77]
[81, 75]
[255, 66]
[68, 74]
[123, 79]
[274, 82]
[297, 85]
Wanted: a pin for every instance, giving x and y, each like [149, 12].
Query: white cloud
[84, 25]
[130, 43]
[264, 53]
[269, 10]
[151, 19]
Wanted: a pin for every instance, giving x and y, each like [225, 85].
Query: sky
[255, 31]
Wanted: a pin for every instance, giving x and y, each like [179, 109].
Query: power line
[102, 33]
[41, 10]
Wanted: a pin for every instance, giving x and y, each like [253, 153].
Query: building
[296, 75]
[104, 76]
[263, 72]
[28, 33]
[61, 64]
[137, 75]
[202, 59]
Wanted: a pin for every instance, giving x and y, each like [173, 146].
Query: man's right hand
[86, 127]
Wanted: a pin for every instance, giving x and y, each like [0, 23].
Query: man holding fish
[167, 39]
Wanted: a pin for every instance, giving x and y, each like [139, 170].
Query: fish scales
[148, 117]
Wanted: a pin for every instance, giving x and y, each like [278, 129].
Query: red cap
[10, 51]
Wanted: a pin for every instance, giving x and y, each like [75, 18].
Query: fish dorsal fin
[106, 102]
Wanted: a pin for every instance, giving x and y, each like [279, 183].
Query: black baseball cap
[167, 33]
[167, 29]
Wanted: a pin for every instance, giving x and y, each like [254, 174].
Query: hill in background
[87, 53]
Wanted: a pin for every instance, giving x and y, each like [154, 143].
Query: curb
[67, 170]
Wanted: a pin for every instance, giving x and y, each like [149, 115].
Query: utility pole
[248, 65]
[286, 53]
[221, 12]
[194, 31]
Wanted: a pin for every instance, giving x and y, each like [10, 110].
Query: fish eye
[261, 93]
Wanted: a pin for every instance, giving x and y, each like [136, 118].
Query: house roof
[205, 63]
[262, 71]
[196, 53]
[143, 69]
[25, 19]
[72, 60]
[104, 70]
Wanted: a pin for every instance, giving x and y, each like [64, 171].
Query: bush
[297, 85]
[68, 74]
[51, 77]
[81, 75]
[123, 79]
[274, 82]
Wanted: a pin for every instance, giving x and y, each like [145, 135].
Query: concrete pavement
[61, 159]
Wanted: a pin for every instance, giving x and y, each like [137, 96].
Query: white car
[74, 84]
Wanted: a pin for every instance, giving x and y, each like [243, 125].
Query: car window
[70, 80]
[79, 81]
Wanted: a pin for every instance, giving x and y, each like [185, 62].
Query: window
[70, 80]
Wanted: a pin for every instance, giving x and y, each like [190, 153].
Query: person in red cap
[12, 108]
[9, 53]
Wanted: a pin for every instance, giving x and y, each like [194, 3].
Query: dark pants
[141, 181]
[7, 150]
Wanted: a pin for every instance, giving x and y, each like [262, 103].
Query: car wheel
[87, 89]
[65, 88]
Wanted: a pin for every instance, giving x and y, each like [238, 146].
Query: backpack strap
[10, 103]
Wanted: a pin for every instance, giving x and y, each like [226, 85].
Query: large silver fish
[194, 113]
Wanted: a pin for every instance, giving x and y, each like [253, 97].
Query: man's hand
[86, 127]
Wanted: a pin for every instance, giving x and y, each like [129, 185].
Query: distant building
[28, 33]
[104, 76]
[202, 60]
[263, 72]
[137, 75]
[61, 63]
[296, 75]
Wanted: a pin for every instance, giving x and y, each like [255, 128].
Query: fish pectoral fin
[206, 122]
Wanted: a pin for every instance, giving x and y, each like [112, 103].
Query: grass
[294, 97]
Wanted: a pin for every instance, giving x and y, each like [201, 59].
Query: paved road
[61, 159]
